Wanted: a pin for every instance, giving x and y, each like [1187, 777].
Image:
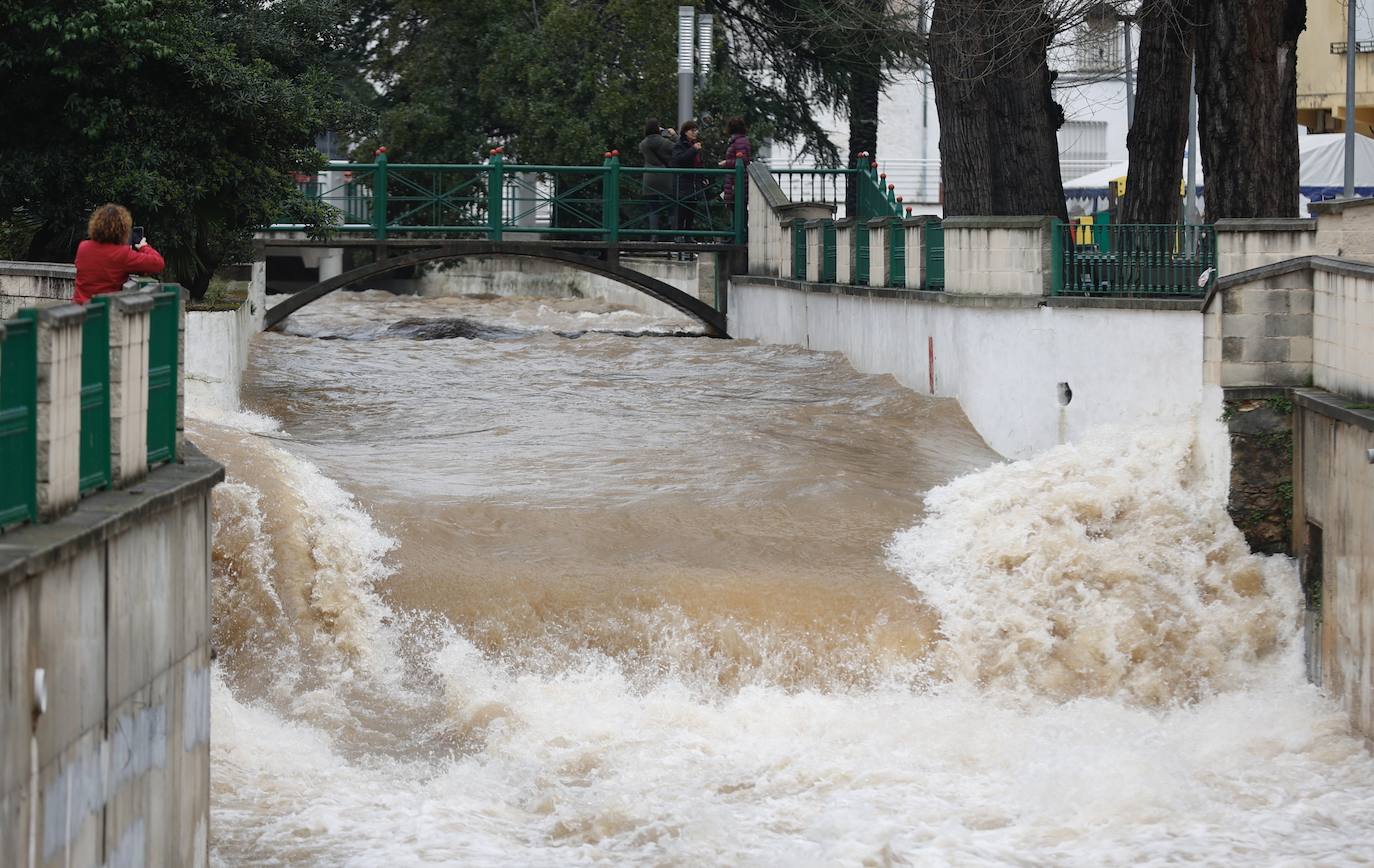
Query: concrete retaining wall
[1004, 359]
[1334, 518]
[518, 276]
[110, 608]
[216, 346]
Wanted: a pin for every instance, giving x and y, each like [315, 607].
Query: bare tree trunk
[1247, 105]
[865, 85]
[998, 149]
[1159, 131]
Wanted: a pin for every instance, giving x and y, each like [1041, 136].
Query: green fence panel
[95, 396]
[1133, 260]
[799, 250]
[19, 420]
[162, 374]
[935, 256]
[860, 275]
[828, 252]
[896, 254]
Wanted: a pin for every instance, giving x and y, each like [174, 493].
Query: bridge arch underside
[693, 307]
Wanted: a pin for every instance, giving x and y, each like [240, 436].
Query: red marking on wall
[930, 346]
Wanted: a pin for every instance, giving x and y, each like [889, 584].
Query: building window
[1098, 45]
[1082, 148]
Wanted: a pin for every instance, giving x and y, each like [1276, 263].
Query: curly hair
[110, 224]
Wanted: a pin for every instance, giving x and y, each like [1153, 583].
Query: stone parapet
[34, 284]
[844, 251]
[999, 255]
[915, 230]
[880, 251]
[59, 408]
[130, 323]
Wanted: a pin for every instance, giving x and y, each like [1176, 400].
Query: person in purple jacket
[738, 149]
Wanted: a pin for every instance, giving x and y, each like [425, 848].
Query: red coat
[102, 268]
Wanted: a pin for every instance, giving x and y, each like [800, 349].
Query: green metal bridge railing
[608, 203]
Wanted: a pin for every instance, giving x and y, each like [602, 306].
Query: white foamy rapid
[1099, 569]
[1114, 683]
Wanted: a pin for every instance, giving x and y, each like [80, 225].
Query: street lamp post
[1350, 49]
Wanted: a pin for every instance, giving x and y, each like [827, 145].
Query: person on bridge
[687, 155]
[739, 149]
[657, 150]
[107, 259]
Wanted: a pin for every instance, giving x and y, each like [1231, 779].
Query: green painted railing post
[379, 196]
[495, 186]
[163, 340]
[741, 215]
[1057, 257]
[610, 198]
[94, 469]
[19, 419]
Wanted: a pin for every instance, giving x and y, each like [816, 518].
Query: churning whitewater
[517, 581]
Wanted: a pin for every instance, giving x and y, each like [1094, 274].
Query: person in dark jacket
[738, 150]
[106, 259]
[657, 150]
[687, 155]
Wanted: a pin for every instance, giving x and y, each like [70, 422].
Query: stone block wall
[1345, 228]
[1343, 332]
[844, 252]
[998, 256]
[34, 284]
[1259, 333]
[1246, 244]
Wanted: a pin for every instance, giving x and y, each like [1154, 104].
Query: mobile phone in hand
[136, 236]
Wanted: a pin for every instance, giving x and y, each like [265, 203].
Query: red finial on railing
[615, 153]
[908, 210]
[381, 149]
[883, 176]
[872, 165]
[495, 151]
[607, 154]
[890, 186]
[899, 199]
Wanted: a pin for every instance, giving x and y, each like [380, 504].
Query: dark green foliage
[193, 113]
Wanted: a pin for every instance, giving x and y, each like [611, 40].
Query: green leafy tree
[193, 113]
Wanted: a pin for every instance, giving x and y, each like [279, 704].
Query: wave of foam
[1098, 569]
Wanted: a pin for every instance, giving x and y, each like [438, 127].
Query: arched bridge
[581, 216]
[587, 260]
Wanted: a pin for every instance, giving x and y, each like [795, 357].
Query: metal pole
[1350, 99]
[686, 66]
[1130, 72]
[1190, 209]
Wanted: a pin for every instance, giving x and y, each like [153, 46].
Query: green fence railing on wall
[935, 256]
[1132, 260]
[860, 276]
[19, 420]
[95, 396]
[828, 252]
[896, 254]
[162, 374]
[799, 250]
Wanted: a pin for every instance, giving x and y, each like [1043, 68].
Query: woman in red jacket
[106, 260]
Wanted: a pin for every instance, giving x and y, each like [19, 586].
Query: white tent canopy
[1321, 173]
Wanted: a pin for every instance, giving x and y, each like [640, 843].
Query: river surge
[544, 582]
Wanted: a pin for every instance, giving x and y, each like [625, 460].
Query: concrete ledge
[134, 302]
[1328, 264]
[62, 315]
[31, 549]
[1335, 407]
[57, 270]
[767, 185]
[994, 222]
[1265, 224]
[1336, 206]
[1019, 302]
[1113, 303]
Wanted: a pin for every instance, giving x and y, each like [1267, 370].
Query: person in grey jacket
[657, 150]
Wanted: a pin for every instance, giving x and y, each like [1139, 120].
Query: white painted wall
[1002, 364]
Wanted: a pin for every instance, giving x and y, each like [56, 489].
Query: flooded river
[506, 581]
